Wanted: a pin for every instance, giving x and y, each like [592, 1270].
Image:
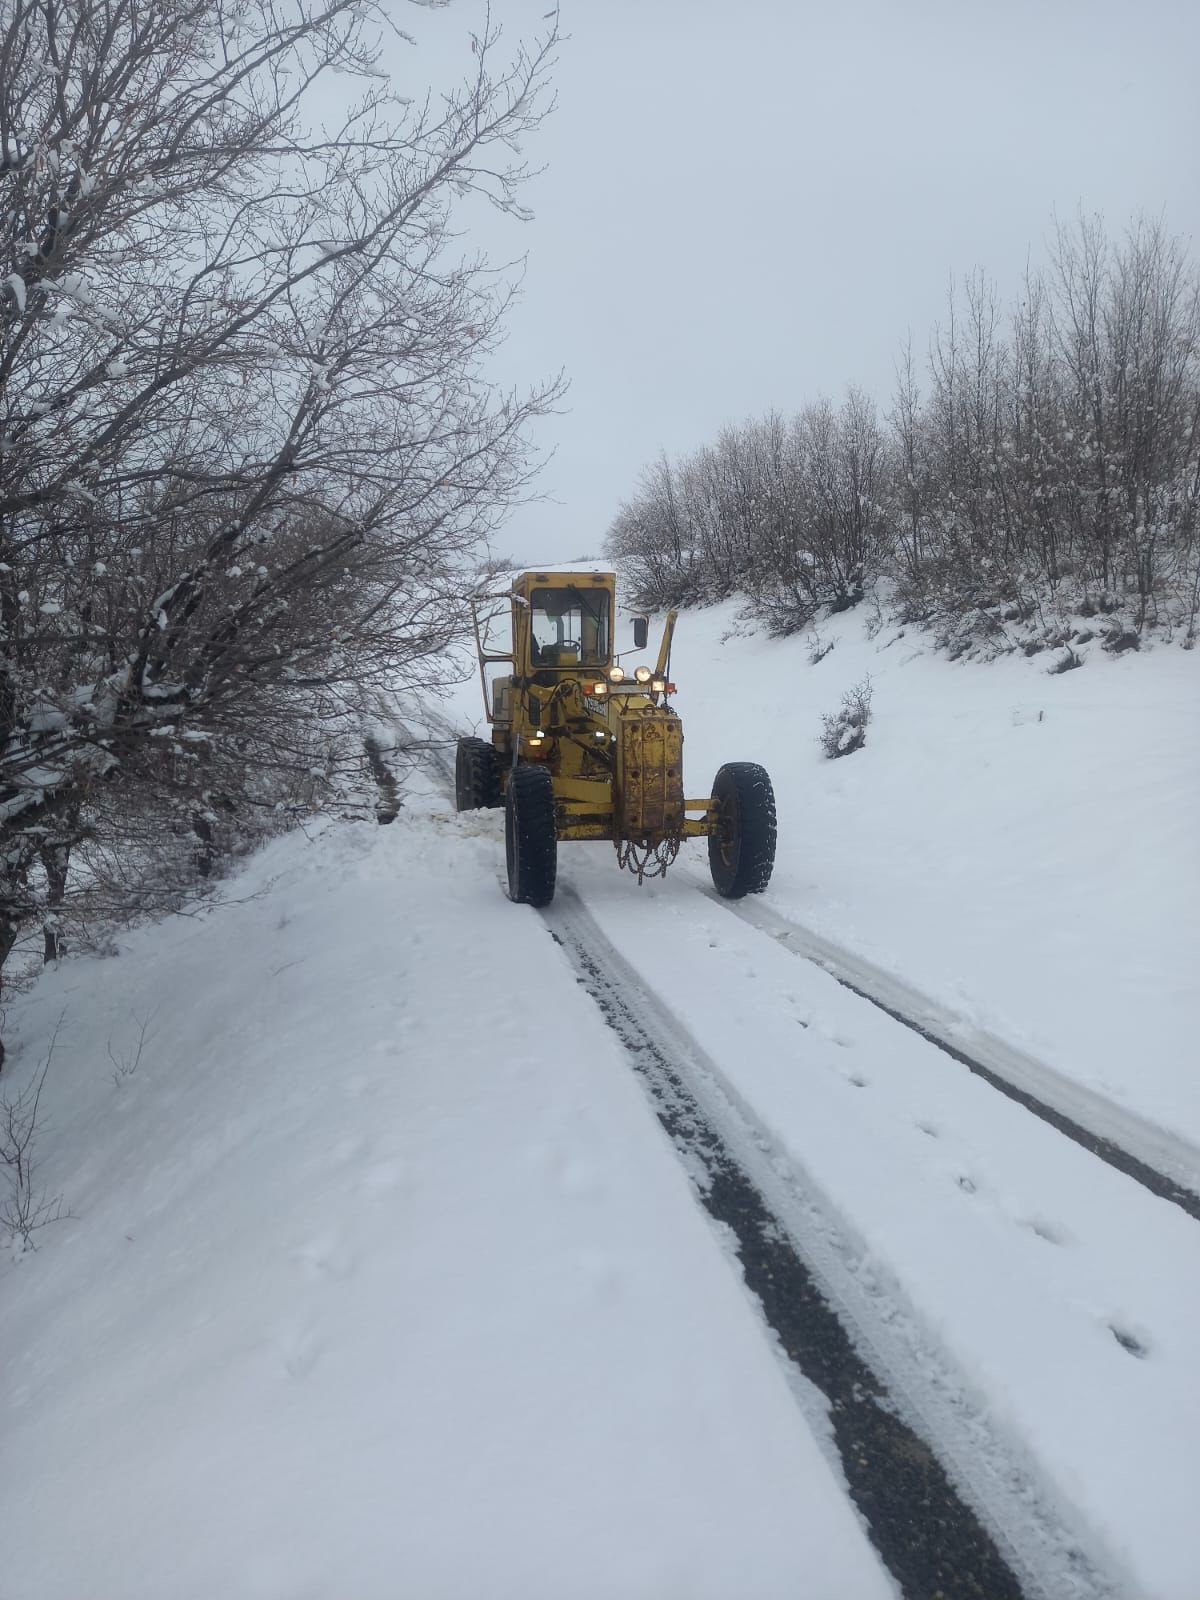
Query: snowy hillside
[382, 1276]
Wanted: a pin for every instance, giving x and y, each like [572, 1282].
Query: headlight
[659, 686]
[599, 689]
[616, 674]
[643, 674]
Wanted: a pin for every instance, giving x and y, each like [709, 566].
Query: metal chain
[650, 860]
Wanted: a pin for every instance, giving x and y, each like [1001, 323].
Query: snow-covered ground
[1052, 1288]
[1018, 849]
[382, 1277]
[1020, 846]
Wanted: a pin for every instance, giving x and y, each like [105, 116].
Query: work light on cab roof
[582, 749]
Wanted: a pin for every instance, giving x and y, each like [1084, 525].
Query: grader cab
[581, 748]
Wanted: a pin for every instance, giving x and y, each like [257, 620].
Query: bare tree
[654, 540]
[1127, 322]
[246, 431]
[1052, 467]
[911, 469]
[1063, 450]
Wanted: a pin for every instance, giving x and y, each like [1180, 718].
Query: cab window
[570, 627]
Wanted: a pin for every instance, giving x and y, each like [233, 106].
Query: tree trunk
[56, 862]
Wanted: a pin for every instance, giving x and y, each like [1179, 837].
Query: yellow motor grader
[583, 749]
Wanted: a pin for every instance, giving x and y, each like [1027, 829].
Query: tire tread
[531, 836]
[749, 788]
[476, 776]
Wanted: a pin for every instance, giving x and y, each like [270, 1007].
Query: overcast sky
[751, 204]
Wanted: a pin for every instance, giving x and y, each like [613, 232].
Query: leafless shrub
[26, 1209]
[127, 1061]
[389, 802]
[844, 731]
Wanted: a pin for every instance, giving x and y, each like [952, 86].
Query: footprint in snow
[965, 1183]
[325, 1256]
[300, 1350]
[859, 1083]
[928, 1128]
[1050, 1231]
[833, 1036]
[1137, 1344]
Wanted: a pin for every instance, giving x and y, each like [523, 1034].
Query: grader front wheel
[741, 847]
[530, 836]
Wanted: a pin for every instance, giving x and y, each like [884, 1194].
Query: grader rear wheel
[530, 836]
[476, 776]
[741, 847]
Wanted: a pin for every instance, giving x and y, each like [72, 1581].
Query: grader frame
[582, 750]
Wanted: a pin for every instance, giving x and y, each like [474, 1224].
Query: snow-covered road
[1033, 1308]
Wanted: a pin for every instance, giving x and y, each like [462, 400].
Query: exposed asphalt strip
[1116, 1155]
[932, 1542]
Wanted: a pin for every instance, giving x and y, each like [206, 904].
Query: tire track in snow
[1160, 1161]
[958, 1516]
[866, 1354]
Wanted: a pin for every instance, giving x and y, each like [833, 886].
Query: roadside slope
[1019, 845]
